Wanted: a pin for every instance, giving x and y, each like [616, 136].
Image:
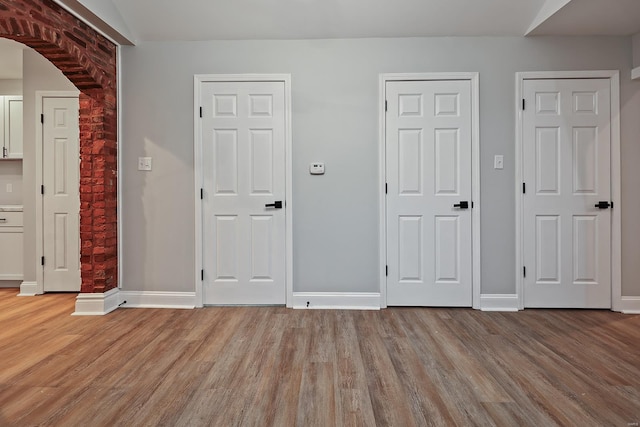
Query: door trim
[40, 95]
[616, 229]
[198, 80]
[474, 79]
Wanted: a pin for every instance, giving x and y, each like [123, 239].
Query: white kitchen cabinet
[11, 127]
[11, 244]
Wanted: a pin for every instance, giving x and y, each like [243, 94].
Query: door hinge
[42, 189]
[42, 260]
[524, 188]
[524, 271]
[472, 204]
[41, 118]
[386, 270]
[386, 188]
[202, 194]
[385, 105]
[201, 274]
[523, 103]
[200, 112]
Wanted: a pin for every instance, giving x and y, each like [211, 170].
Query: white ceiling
[164, 20]
[593, 17]
[303, 19]
[154, 20]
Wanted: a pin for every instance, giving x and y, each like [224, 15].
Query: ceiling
[132, 21]
[593, 17]
[304, 19]
[164, 20]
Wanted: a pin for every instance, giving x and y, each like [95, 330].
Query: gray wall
[10, 86]
[38, 74]
[635, 45]
[335, 120]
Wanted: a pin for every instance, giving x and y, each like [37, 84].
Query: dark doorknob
[277, 205]
[462, 205]
[604, 205]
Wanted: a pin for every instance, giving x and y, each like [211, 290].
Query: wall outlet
[316, 168]
[144, 163]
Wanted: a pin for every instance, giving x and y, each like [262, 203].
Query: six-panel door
[61, 199]
[428, 172]
[566, 168]
[243, 142]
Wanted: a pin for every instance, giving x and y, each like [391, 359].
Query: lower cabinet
[11, 245]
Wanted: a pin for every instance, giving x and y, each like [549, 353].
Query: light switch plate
[498, 161]
[316, 168]
[144, 163]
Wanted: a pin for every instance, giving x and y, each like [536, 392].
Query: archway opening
[89, 61]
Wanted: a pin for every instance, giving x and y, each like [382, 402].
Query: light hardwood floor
[273, 366]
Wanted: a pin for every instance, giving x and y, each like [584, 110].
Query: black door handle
[277, 204]
[462, 205]
[603, 205]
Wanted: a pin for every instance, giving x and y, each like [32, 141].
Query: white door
[61, 198]
[243, 146]
[566, 169]
[428, 172]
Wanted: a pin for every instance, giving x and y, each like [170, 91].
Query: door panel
[566, 155]
[446, 161]
[243, 140]
[548, 248]
[428, 155]
[61, 199]
[410, 260]
[447, 253]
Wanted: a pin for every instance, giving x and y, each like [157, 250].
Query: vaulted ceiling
[299, 19]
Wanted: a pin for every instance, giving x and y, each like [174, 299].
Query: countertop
[10, 208]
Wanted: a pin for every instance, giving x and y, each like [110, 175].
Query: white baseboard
[28, 289]
[154, 299]
[630, 305]
[337, 300]
[499, 302]
[97, 304]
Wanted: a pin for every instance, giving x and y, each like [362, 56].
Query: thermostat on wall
[316, 168]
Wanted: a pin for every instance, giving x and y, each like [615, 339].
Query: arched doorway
[89, 61]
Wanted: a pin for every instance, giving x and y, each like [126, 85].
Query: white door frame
[40, 95]
[474, 79]
[616, 229]
[198, 80]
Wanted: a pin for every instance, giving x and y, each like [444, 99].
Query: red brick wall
[89, 61]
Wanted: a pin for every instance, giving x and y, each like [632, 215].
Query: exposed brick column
[98, 193]
[89, 61]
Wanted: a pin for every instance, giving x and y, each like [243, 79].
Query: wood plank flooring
[271, 366]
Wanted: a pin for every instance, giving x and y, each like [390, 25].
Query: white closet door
[428, 154]
[566, 166]
[243, 131]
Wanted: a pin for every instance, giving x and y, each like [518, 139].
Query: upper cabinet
[11, 126]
